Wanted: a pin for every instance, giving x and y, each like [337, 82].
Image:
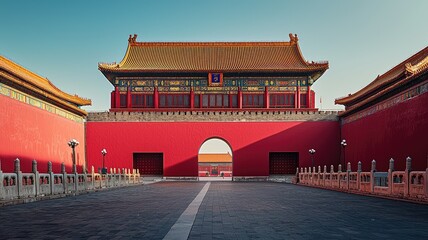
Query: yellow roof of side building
[15, 75]
[214, 158]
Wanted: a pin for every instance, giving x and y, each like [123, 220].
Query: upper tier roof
[388, 81]
[213, 57]
[23, 77]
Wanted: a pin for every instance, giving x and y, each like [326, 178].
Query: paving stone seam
[181, 228]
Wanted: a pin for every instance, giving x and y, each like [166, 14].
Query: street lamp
[73, 143]
[344, 144]
[104, 152]
[312, 152]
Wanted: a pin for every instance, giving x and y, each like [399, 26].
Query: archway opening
[215, 160]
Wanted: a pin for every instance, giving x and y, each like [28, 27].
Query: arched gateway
[215, 160]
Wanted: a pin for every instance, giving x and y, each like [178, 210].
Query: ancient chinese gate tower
[212, 75]
[171, 97]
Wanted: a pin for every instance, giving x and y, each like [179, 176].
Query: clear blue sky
[65, 40]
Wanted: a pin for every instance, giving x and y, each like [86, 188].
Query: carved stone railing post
[36, 178]
[76, 180]
[297, 175]
[119, 172]
[407, 176]
[107, 178]
[51, 178]
[140, 180]
[359, 169]
[390, 179]
[93, 177]
[116, 182]
[18, 177]
[348, 171]
[2, 194]
[111, 179]
[372, 173]
[64, 178]
[324, 175]
[426, 179]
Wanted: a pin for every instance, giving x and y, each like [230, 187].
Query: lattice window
[252, 100]
[214, 101]
[303, 102]
[174, 100]
[142, 100]
[123, 100]
[281, 100]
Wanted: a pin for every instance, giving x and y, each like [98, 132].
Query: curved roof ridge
[387, 77]
[40, 82]
[222, 44]
[212, 56]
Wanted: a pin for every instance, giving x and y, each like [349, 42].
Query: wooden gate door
[149, 163]
[281, 163]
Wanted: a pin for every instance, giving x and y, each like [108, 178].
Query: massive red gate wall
[397, 132]
[28, 133]
[251, 143]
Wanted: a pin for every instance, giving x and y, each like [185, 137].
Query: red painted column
[156, 98]
[308, 97]
[313, 98]
[192, 98]
[112, 99]
[297, 98]
[128, 98]
[117, 97]
[266, 98]
[239, 98]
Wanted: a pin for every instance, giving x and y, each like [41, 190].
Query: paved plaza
[227, 210]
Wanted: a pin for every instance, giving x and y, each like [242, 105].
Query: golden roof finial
[132, 39]
[293, 39]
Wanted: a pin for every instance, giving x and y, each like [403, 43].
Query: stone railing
[405, 184]
[19, 185]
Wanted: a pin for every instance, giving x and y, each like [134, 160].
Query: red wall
[397, 132]
[251, 143]
[28, 133]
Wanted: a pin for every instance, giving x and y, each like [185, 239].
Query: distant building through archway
[215, 160]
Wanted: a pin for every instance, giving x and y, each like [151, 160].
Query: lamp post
[312, 152]
[73, 143]
[344, 144]
[103, 152]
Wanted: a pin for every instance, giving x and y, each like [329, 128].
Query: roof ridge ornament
[293, 39]
[414, 68]
[132, 39]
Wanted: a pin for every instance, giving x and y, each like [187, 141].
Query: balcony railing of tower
[407, 184]
[34, 185]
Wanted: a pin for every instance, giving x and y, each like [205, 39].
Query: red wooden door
[283, 162]
[149, 163]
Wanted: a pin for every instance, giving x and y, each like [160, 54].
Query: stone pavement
[229, 210]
